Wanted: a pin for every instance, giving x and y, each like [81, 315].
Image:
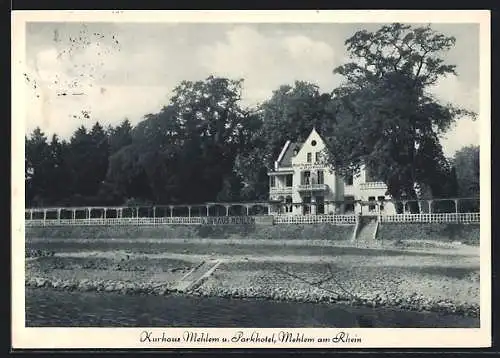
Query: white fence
[465, 218]
[116, 221]
[315, 219]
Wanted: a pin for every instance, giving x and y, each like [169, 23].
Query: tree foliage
[185, 153]
[204, 145]
[466, 162]
[386, 118]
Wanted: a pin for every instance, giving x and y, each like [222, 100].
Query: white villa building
[301, 184]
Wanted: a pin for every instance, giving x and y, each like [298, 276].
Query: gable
[313, 144]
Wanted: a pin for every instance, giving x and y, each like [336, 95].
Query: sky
[80, 73]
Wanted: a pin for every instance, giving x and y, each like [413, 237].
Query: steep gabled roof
[291, 148]
[286, 160]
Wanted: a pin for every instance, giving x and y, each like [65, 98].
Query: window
[306, 205]
[371, 200]
[272, 181]
[349, 204]
[320, 205]
[281, 209]
[317, 157]
[313, 143]
[289, 206]
[306, 178]
[289, 180]
[381, 199]
[371, 175]
[321, 177]
[349, 179]
[309, 157]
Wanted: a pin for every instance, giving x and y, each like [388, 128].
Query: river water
[50, 308]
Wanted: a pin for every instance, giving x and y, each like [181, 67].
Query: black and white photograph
[277, 179]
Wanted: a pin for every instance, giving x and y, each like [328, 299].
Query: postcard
[251, 179]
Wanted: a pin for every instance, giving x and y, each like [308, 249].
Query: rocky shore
[34, 253]
[98, 285]
[352, 283]
[413, 302]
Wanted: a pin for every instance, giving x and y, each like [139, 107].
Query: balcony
[375, 185]
[283, 190]
[313, 187]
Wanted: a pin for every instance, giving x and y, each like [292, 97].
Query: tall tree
[212, 126]
[38, 165]
[99, 154]
[88, 158]
[60, 176]
[120, 136]
[466, 163]
[386, 119]
[185, 153]
[126, 178]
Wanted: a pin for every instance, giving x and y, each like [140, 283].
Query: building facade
[301, 184]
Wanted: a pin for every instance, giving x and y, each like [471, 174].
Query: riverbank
[444, 280]
[368, 284]
[47, 307]
[431, 233]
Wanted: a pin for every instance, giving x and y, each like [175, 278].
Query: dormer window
[349, 179]
[309, 157]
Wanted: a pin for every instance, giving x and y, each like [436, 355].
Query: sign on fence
[237, 220]
[228, 220]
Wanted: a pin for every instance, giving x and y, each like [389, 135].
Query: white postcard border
[23, 337]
